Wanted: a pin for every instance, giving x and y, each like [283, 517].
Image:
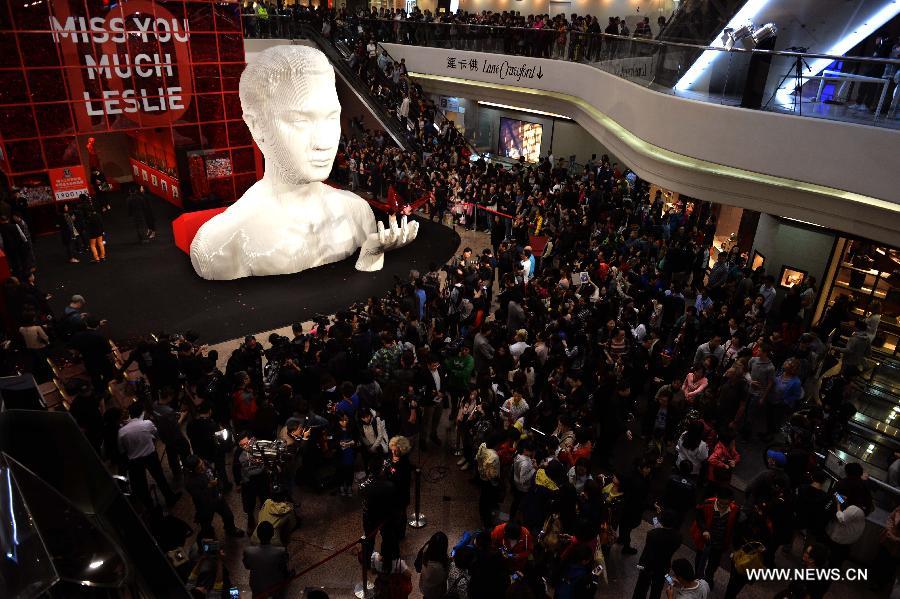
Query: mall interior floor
[151, 287]
[449, 501]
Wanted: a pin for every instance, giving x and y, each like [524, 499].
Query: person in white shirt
[692, 447]
[137, 442]
[404, 108]
[686, 585]
[844, 530]
[524, 469]
[36, 342]
[515, 407]
[521, 344]
[525, 264]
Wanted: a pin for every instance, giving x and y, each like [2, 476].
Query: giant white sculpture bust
[290, 221]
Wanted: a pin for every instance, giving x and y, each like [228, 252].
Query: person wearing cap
[94, 348]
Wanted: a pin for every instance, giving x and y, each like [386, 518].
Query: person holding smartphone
[683, 582]
[844, 529]
[661, 544]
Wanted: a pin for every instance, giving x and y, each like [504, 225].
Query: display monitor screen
[520, 139]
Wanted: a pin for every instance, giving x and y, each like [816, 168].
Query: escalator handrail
[346, 28]
[384, 115]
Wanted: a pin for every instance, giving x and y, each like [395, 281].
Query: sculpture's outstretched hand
[371, 255]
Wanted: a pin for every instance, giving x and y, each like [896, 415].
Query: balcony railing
[854, 89]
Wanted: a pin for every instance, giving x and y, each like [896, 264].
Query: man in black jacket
[94, 349]
[433, 381]
[636, 487]
[660, 546]
[208, 501]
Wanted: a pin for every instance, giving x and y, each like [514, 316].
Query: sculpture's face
[305, 129]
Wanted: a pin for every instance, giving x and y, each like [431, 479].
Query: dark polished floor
[151, 287]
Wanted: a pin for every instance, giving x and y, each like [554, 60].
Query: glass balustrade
[853, 89]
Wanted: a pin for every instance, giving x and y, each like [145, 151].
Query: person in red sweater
[514, 543]
[723, 459]
[581, 449]
[243, 402]
[713, 532]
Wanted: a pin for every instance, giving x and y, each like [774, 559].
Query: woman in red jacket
[723, 459]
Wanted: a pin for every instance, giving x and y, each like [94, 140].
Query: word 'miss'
[86, 32]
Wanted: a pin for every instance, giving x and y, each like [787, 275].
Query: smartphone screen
[669, 580]
[234, 593]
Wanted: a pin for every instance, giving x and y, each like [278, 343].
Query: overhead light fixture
[529, 110]
[761, 34]
[884, 14]
[747, 14]
[733, 36]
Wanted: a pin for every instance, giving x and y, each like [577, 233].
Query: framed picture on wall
[757, 261]
[791, 276]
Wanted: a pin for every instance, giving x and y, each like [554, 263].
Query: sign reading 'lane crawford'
[503, 70]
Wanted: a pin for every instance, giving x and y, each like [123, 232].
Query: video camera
[274, 457]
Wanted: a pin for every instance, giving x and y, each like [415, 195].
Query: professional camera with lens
[275, 458]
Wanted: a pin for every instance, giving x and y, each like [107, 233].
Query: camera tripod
[795, 71]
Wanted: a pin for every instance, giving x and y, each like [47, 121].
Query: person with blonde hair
[398, 471]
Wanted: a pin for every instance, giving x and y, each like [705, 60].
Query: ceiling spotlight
[734, 36]
[763, 33]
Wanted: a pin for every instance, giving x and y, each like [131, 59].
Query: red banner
[68, 182]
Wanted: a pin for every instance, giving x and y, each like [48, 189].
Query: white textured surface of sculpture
[290, 220]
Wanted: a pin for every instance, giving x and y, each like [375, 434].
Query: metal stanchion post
[365, 589]
[417, 520]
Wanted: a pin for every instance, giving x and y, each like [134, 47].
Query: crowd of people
[569, 37]
[572, 384]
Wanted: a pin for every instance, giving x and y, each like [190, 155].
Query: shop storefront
[867, 276]
[141, 90]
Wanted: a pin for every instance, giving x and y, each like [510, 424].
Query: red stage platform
[185, 227]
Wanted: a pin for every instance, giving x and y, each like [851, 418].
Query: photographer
[207, 441]
[206, 492]
[251, 476]
[246, 359]
[168, 423]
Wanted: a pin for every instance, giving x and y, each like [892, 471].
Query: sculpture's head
[291, 108]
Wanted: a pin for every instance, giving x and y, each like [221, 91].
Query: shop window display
[867, 274]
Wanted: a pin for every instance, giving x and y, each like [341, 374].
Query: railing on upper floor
[860, 90]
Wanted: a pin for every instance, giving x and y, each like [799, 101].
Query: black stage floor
[151, 288]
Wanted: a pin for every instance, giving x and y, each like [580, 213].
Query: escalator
[695, 22]
[338, 54]
[873, 433]
[699, 21]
